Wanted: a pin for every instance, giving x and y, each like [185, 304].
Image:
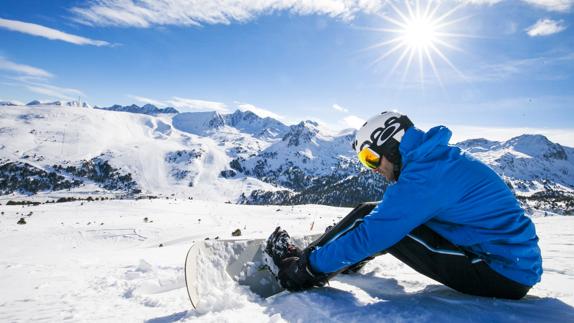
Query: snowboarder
[446, 215]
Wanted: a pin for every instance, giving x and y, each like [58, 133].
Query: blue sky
[510, 63]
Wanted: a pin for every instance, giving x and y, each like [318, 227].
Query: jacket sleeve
[405, 205]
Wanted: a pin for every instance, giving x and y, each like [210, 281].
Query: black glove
[295, 273]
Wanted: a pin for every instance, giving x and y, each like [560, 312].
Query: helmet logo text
[382, 134]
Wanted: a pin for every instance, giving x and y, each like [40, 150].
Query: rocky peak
[148, 109]
[301, 133]
[537, 146]
[34, 102]
[249, 122]
[245, 116]
[216, 121]
[9, 103]
[478, 145]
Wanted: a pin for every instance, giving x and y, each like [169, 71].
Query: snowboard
[244, 260]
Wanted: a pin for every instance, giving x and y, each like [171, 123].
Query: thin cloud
[144, 14]
[545, 27]
[339, 108]
[148, 100]
[481, 2]
[26, 70]
[184, 103]
[55, 91]
[41, 31]
[353, 122]
[197, 105]
[35, 80]
[540, 68]
[552, 5]
[258, 111]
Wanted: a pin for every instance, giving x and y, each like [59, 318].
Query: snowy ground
[101, 261]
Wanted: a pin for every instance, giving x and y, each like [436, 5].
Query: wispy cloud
[147, 100]
[353, 122]
[258, 111]
[481, 2]
[545, 27]
[184, 103]
[21, 69]
[549, 5]
[54, 34]
[552, 5]
[339, 108]
[199, 105]
[146, 13]
[55, 91]
[549, 66]
[36, 80]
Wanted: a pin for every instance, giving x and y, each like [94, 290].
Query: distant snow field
[102, 261]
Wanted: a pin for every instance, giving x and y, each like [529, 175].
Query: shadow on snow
[387, 300]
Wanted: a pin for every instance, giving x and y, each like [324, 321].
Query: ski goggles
[369, 158]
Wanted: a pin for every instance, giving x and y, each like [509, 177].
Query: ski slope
[138, 144]
[101, 262]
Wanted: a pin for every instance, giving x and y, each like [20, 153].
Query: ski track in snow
[101, 262]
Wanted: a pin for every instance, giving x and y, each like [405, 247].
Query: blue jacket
[455, 195]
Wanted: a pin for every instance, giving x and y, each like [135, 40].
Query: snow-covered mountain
[75, 104]
[145, 109]
[249, 122]
[10, 103]
[306, 152]
[529, 161]
[64, 151]
[199, 123]
[50, 149]
[208, 123]
[539, 171]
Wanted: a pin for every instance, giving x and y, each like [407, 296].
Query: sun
[420, 37]
[420, 33]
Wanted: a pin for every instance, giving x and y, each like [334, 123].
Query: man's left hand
[296, 275]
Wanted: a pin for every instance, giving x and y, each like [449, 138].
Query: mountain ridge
[239, 157]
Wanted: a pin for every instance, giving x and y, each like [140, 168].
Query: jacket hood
[417, 144]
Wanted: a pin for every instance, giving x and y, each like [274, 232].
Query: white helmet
[383, 133]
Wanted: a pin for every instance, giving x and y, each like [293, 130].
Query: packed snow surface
[102, 262]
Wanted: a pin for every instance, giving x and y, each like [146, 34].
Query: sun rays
[419, 36]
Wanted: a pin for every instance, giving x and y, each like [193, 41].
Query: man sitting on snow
[446, 215]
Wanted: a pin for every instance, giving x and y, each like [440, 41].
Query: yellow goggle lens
[369, 158]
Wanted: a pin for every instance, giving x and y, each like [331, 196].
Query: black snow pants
[432, 255]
